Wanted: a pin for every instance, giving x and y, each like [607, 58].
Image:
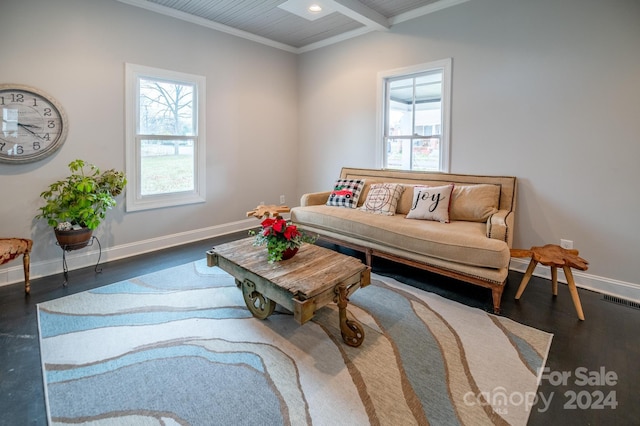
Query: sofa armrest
[500, 226]
[314, 198]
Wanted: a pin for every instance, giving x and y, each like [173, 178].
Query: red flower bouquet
[280, 236]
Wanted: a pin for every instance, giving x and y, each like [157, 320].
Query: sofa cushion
[382, 198]
[406, 199]
[345, 193]
[431, 203]
[474, 202]
[460, 241]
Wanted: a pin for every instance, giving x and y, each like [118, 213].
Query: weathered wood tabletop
[313, 278]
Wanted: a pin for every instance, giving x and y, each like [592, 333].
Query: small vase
[289, 253]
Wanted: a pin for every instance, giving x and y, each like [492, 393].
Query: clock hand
[29, 125]
[26, 127]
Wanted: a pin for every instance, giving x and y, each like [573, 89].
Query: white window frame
[135, 200]
[383, 76]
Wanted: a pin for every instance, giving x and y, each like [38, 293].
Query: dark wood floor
[605, 341]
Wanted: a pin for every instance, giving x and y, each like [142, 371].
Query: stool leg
[25, 265]
[526, 278]
[574, 291]
[554, 280]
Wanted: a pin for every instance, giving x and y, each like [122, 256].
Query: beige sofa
[465, 248]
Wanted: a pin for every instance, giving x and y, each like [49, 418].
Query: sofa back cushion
[506, 184]
[406, 200]
[474, 203]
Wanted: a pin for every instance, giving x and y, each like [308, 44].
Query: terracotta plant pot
[74, 239]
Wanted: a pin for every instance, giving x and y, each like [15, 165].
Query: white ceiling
[272, 23]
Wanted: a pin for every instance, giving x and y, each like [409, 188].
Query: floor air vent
[620, 301]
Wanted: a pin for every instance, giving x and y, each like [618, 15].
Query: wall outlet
[282, 199]
[566, 244]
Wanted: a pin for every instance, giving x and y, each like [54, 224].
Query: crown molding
[163, 10]
[371, 20]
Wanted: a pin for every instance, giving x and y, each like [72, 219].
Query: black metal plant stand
[70, 247]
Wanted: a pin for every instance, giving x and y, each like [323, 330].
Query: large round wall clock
[34, 125]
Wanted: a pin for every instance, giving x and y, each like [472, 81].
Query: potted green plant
[76, 205]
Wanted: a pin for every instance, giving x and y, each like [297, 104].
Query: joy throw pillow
[346, 193]
[383, 198]
[431, 203]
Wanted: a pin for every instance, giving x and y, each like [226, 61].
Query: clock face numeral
[33, 125]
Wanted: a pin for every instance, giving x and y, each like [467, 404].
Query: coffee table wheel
[352, 333]
[261, 307]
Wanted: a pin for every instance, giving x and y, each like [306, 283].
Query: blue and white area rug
[179, 347]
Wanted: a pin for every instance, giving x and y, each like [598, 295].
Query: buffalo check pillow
[345, 193]
[431, 203]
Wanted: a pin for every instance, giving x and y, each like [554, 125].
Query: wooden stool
[10, 248]
[553, 256]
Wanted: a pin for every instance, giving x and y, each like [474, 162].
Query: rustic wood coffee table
[313, 278]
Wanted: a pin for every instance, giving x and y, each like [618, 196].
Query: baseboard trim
[88, 257]
[622, 289]
[84, 258]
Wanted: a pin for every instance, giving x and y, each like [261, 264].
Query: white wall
[544, 90]
[76, 50]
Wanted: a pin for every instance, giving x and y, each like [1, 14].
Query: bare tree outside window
[166, 108]
[166, 111]
[165, 114]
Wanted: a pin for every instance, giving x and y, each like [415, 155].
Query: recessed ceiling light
[307, 9]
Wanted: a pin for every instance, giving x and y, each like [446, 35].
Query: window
[415, 116]
[165, 156]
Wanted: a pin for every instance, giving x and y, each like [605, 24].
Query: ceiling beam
[361, 13]
[424, 10]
